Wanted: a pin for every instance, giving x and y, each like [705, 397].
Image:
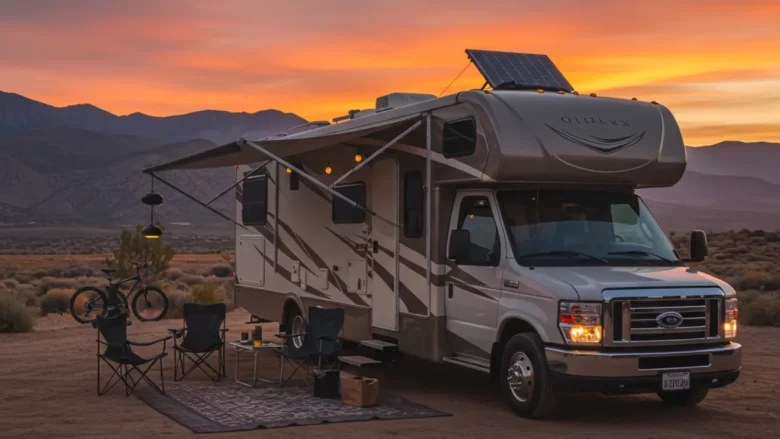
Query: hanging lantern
[152, 232]
[152, 199]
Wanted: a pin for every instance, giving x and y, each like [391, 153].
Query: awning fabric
[236, 153]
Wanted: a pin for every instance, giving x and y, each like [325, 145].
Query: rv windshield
[569, 228]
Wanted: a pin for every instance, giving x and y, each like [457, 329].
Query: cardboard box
[359, 391]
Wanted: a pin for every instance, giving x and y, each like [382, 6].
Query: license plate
[676, 381]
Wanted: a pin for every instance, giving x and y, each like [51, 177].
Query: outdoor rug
[206, 407]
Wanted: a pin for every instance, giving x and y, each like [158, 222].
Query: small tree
[134, 247]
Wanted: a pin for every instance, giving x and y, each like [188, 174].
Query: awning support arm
[251, 173]
[376, 154]
[303, 174]
[155, 176]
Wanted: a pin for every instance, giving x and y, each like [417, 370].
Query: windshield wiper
[566, 253]
[643, 253]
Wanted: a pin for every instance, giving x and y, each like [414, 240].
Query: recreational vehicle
[498, 229]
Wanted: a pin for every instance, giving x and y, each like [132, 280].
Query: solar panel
[517, 71]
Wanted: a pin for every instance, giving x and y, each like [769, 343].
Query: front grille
[666, 319]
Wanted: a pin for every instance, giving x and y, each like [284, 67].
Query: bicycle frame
[113, 289]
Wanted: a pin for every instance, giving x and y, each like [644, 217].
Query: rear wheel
[684, 398]
[150, 304]
[87, 303]
[525, 378]
[295, 325]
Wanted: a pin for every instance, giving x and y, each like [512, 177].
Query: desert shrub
[25, 296]
[772, 237]
[10, 284]
[173, 273]
[57, 300]
[14, 316]
[24, 277]
[48, 283]
[133, 247]
[760, 309]
[176, 301]
[191, 279]
[221, 270]
[205, 294]
[78, 272]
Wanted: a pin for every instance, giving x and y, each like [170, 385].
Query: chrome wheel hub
[298, 327]
[520, 376]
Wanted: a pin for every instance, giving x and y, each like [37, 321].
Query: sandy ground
[47, 390]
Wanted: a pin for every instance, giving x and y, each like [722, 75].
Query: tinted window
[413, 204]
[476, 216]
[345, 213]
[255, 200]
[459, 138]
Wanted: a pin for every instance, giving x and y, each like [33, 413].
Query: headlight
[580, 322]
[730, 319]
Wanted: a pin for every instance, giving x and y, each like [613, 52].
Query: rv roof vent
[397, 100]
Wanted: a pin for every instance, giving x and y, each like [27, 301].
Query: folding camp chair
[120, 357]
[321, 340]
[202, 337]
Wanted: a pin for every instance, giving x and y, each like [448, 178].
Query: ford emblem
[669, 319]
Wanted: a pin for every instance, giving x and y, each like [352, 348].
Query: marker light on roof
[289, 170]
[358, 158]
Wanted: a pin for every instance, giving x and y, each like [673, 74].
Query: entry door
[383, 248]
[473, 287]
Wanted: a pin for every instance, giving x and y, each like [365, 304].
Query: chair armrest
[225, 329]
[176, 332]
[326, 338]
[290, 335]
[135, 343]
[113, 345]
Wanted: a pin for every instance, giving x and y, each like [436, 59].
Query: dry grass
[57, 300]
[15, 316]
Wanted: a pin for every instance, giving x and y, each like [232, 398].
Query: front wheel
[150, 304]
[684, 398]
[87, 303]
[526, 379]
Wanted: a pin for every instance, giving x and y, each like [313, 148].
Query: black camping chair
[202, 337]
[120, 357]
[321, 340]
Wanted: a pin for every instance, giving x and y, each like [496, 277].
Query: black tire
[150, 304]
[92, 300]
[535, 393]
[684, 398]
[294, 320]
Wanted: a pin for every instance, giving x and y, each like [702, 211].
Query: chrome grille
[639, 320]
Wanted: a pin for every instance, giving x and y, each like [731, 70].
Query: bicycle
[90, 299]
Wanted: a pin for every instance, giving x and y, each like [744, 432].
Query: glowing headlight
[580, 322]
[730, 319]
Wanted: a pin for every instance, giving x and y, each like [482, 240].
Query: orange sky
[714, 63]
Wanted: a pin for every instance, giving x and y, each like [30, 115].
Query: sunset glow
[714, 63]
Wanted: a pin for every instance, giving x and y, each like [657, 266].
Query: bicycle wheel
[87, 303]
[150, 304]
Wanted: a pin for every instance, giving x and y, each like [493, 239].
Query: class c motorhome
[498, 230]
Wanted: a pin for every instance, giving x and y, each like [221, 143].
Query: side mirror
[460, 245]
[699, 249]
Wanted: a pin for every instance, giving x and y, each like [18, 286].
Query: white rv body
[404, 287]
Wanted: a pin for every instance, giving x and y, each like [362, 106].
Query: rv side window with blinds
[345, 213]
[413, 204]
[459, 138]
[255, 200]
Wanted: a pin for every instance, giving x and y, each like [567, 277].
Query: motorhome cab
[497, 230]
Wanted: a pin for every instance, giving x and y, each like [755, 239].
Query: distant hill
[19, 114]
[760, 160]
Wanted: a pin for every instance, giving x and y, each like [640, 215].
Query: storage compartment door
[250, 260]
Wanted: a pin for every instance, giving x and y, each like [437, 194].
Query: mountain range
[80, 165]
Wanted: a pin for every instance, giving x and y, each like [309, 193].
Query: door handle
[449, 290]
[511, 284]
[376, 246]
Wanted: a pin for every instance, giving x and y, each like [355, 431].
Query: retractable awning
[239, 152]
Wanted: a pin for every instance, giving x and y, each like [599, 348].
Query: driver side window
[476, 216]
[627, 228]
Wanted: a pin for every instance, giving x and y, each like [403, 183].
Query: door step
[474, 364]
[359, 362]
[380, 350]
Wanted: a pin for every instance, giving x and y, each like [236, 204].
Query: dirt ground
[47, 390]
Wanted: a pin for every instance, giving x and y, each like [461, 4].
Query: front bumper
[620, 364]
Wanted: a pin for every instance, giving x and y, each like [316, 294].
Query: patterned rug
[206, 407]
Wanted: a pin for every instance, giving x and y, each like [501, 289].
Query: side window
[254, 200]
[476, 216]
[413, 204]
[345, 213]
[459, 138]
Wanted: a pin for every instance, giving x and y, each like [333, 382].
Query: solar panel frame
[509, 70]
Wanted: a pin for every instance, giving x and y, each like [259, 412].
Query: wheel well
[510, 328]
[289, 306]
